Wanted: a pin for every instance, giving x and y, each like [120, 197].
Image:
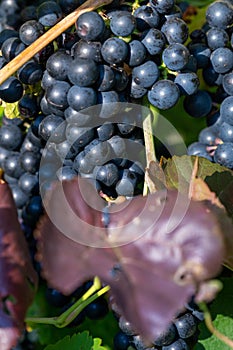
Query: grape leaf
[18, 279]
[152, 275]
[81, 341]
[178, 174]
[221, 310]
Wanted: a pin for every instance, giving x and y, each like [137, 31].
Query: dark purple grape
[28, 106]
[162, 6]
[108, 174]
[179, 344]
[47, 80]
[66, 172]
[224, 154]
[114, 50]
[97, 309]
[57, 93]
[121, 341]
[65, 150]
[11, 90]
[199, 104]
[58, 65]
[217, 38]
[28, 183]
[226, 110]
[55, 298]
[226, 132]
[30, 161]
[176, 56]
[30, 31]
[106, 78]
[117, 144]
[87, 49]
[175, 30]
[49, 13]
[79, 136]
[167, 337]
[219, 14]
[30, 73]
[222, 60]
[6, 34]
[52, 127]
[164, 94]
[105, 131]
[208, 136]
[201, 52]
[126, 184]
[11, 165]
[188, 83]
[154, 41]
[146, 74]
[227, 83]
[146, 17]
[11, 48]
[81, 97]
[137, 53]
[90, 26]
[186, 325]
[10, 137]
[20, 197]
[122, 23]
[198, 149]
[83, 71]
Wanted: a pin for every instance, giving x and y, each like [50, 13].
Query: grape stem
[48, 37]
[70, 314]
[149, 144]
[211, 327]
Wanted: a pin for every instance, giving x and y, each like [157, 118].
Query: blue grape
[226, 132]
[201, 52]
[217, 38]
[175, 30]
[114, 50]
[146, 17]
[162, 6]
[81, 97]
[226, 110]
[198, 149]
[164, 94]
[222, 60]
[58, 64]
[90, 26]
[219, 14]
[48, 13]
[188, 83]
[11, 90]
[175, 56]
[154, 41]
[137, 53]
[199, 104]
[227, 83]
[83, 71]
[208, 135]
[87, 49]
[146, 74]
[122, 23]
[106, 78]
[30, 31]
[57, 94]
[224, 154]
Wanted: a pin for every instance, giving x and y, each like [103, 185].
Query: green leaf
[178, 172]
[97, 344]
[222, 314]
[81, 341]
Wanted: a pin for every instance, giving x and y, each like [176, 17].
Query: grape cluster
[215, 142]
[181, 334]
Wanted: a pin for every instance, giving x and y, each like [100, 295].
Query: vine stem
[211, 327]
[48, 37]
[69, 315]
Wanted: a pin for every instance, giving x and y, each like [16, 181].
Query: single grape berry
[164, 94]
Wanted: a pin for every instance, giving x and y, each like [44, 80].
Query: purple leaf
[157, 251]
[18, 279]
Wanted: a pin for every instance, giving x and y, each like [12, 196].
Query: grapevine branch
[48, 37]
